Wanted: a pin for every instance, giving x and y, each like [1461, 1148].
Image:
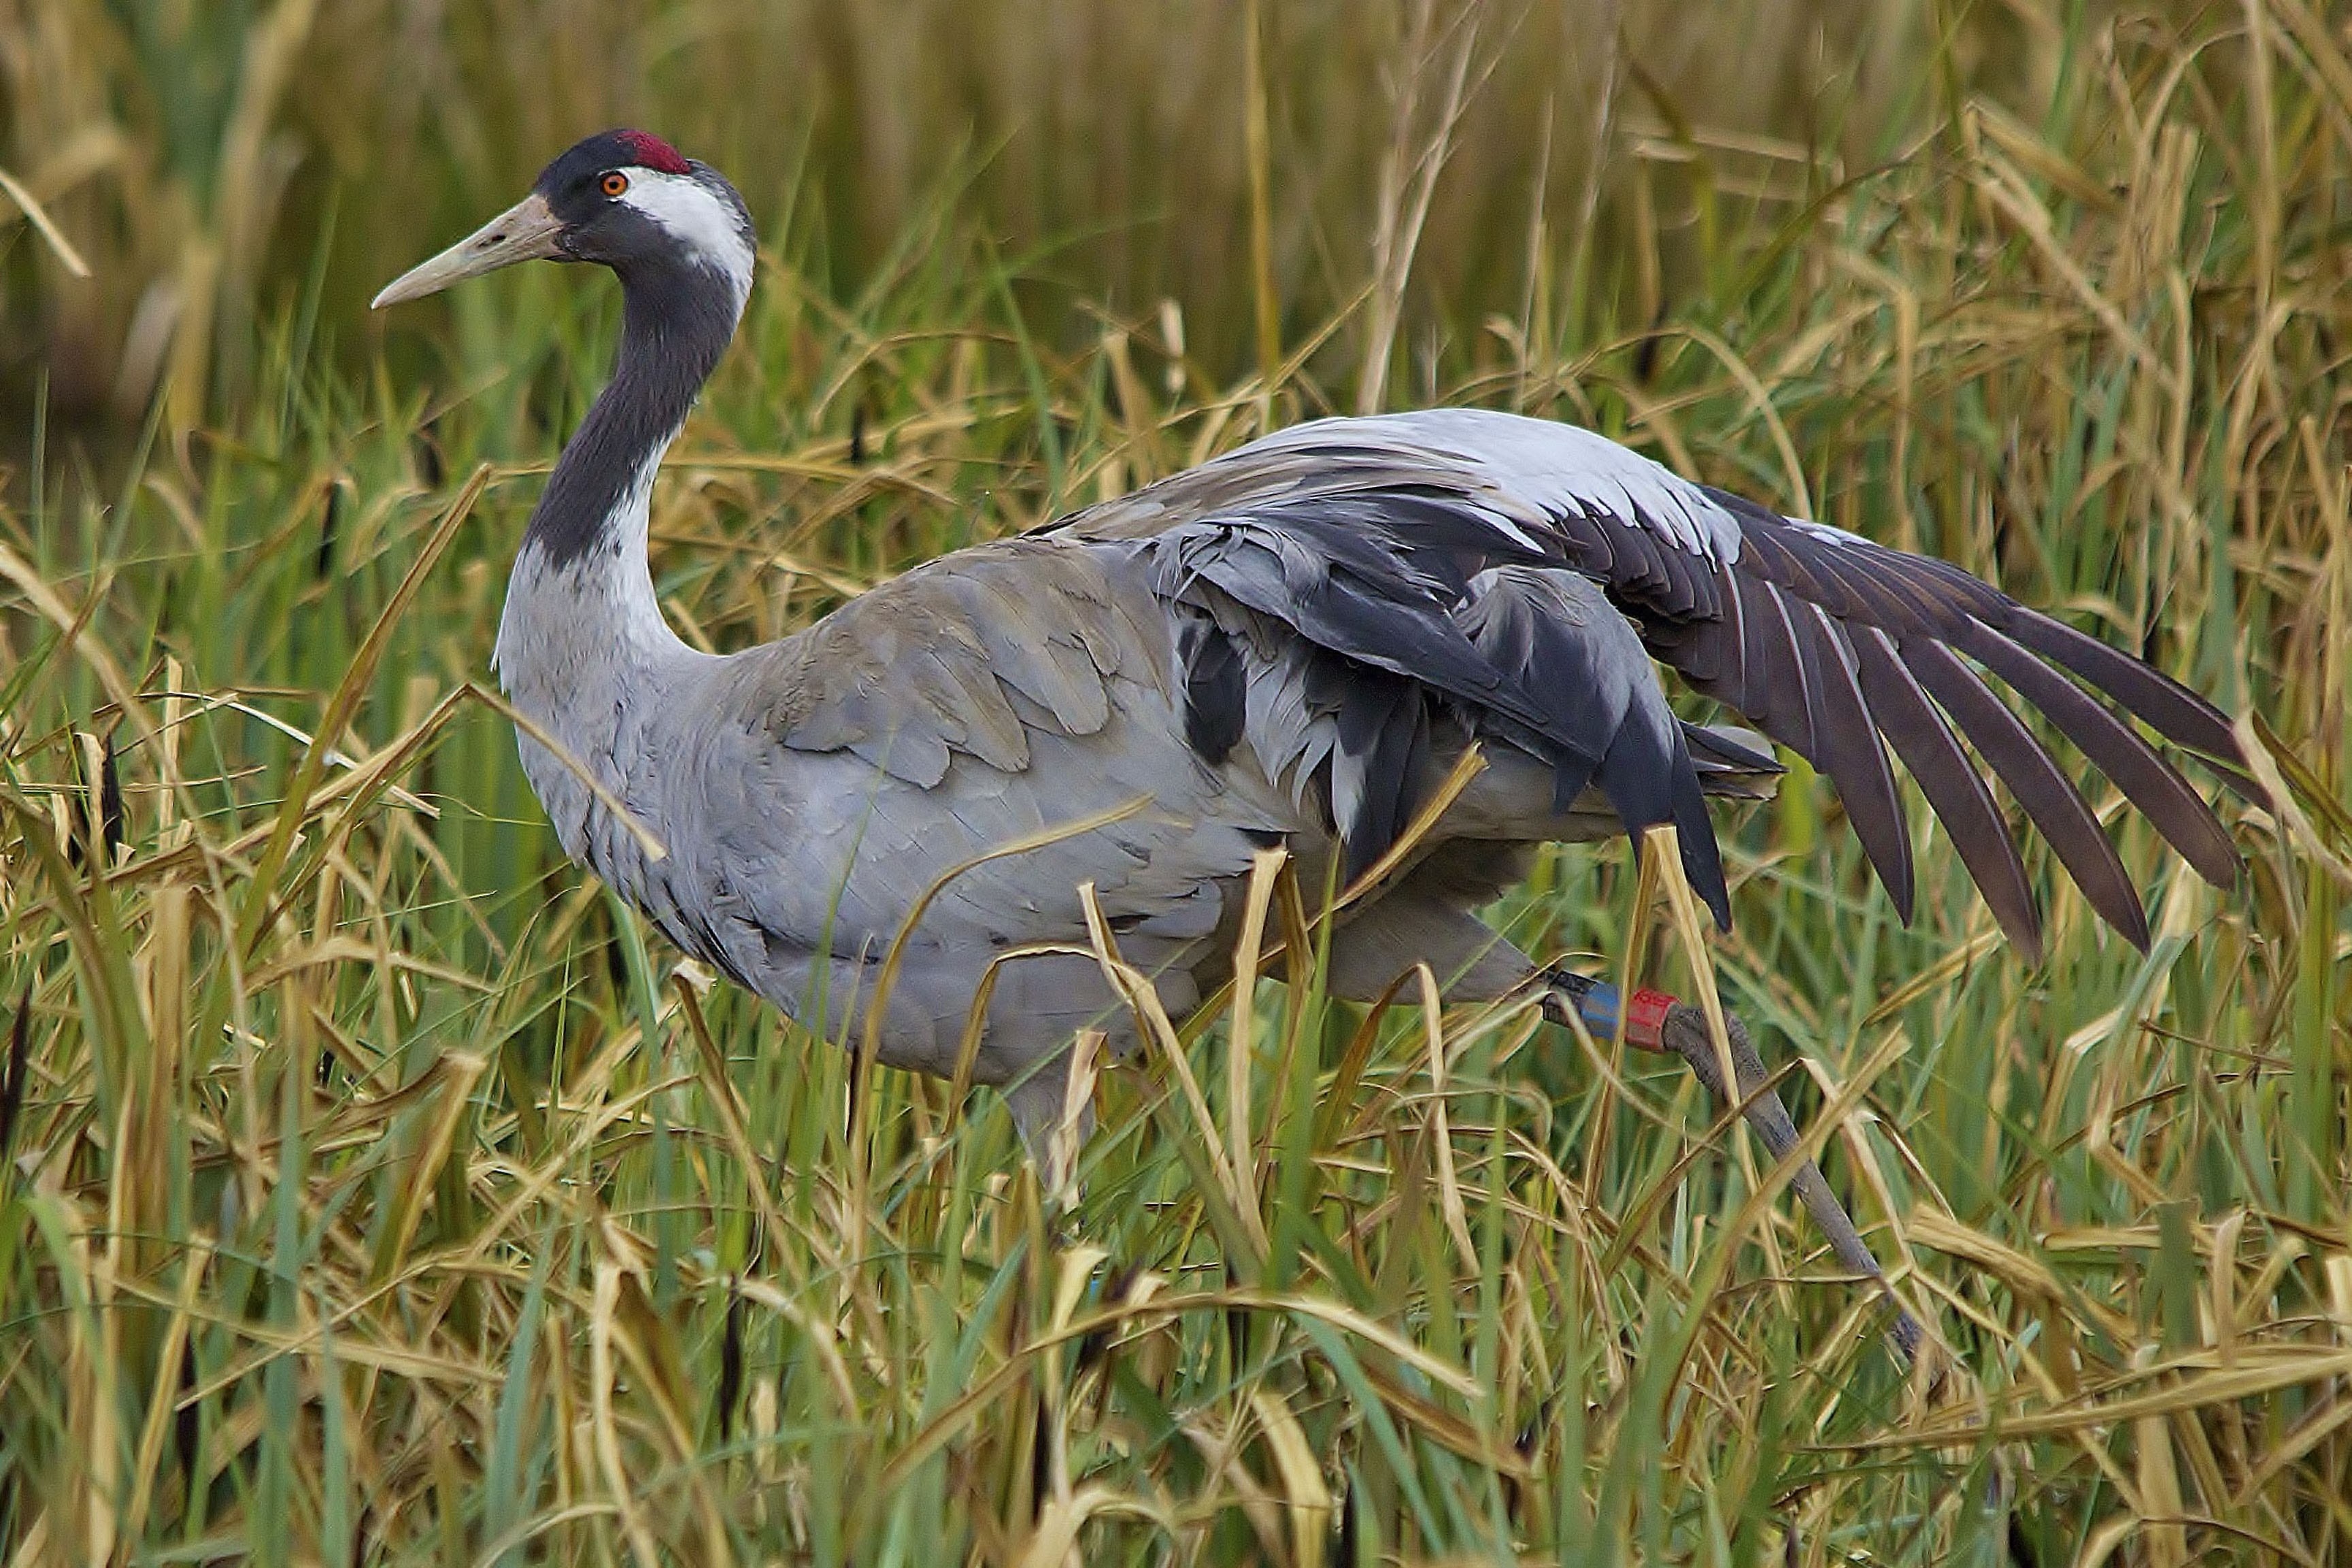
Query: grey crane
[1291, 644]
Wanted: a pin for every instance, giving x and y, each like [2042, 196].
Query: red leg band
[1645, 1020]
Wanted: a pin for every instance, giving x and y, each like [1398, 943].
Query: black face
[588, 189]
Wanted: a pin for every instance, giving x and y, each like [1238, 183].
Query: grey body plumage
[1289, 644]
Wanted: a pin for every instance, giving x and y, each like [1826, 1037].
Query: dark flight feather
[2056, 807]
[1956, 791]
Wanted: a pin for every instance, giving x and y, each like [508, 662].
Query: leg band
[1599, 1004]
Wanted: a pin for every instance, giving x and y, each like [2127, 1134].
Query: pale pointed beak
[527, 231]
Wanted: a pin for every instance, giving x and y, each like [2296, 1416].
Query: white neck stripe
[699, 218]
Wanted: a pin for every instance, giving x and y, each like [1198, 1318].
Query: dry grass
[372, 1191]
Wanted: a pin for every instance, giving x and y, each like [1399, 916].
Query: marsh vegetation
[373, 1190]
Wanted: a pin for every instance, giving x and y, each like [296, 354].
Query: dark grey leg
[1683, 1030]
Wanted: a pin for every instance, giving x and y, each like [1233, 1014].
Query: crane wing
[992, 697]
[963, 655]
[1833, 646]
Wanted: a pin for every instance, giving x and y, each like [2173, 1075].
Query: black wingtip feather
[2056, 807]
[1852, 756]
[1702, 856]
[1956, 792]
[2170, 709]
[1648, 779]
[1635, 775]
[2148, 781]
[1722, 747]
[1773, 668]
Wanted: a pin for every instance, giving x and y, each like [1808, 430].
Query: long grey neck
[581, 632]
[676, 321]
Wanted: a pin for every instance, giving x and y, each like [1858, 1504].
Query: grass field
[372, 1187]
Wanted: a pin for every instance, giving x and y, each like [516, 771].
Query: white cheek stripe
[700, 219]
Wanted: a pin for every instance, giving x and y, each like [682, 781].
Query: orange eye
[615, 184]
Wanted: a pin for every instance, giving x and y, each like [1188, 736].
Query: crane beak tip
[527, 231]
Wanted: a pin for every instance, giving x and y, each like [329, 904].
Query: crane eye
[615, 184]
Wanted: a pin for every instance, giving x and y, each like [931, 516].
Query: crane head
[624, 199]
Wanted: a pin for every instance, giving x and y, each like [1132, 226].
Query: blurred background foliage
[208, 155]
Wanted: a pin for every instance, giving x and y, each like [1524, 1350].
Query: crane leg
[1656, 1022]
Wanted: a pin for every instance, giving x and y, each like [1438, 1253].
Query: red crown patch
[652, 153]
